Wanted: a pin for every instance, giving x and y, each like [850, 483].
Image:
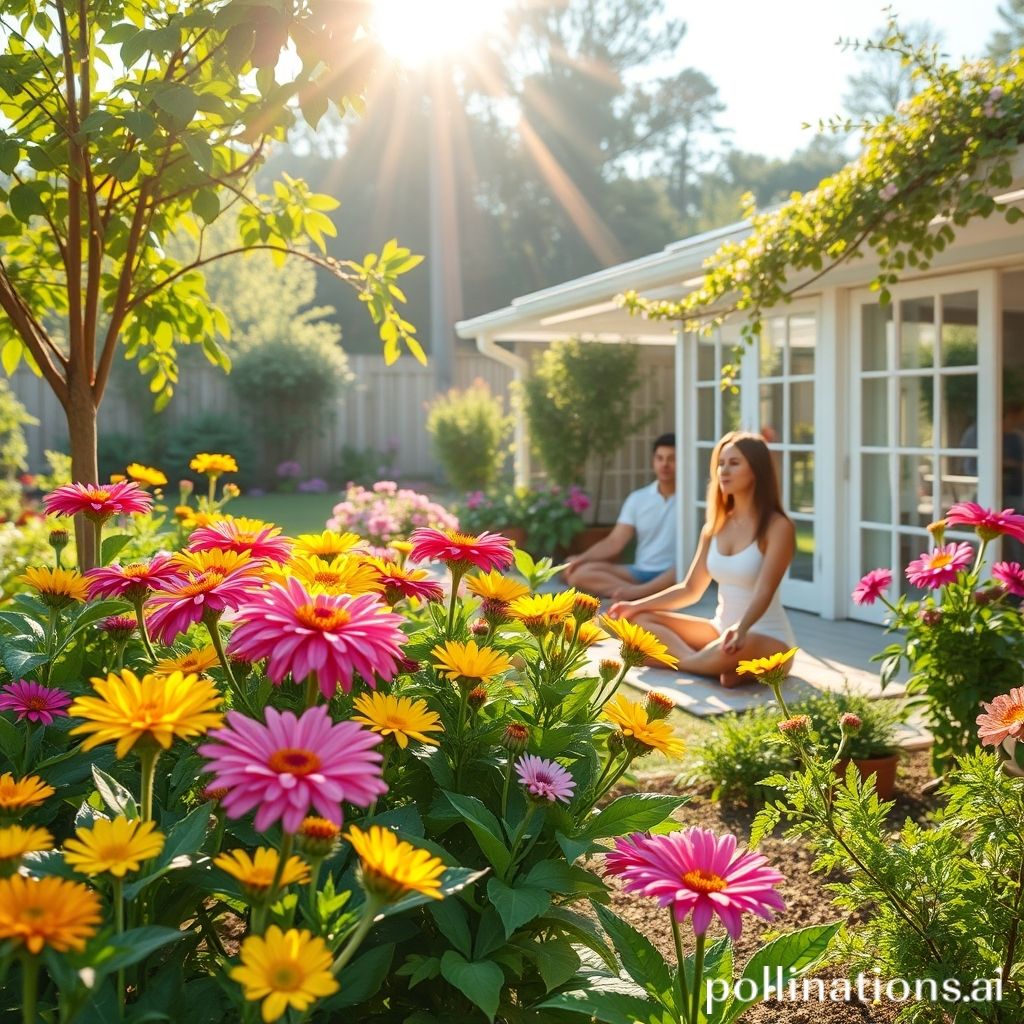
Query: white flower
[889, 191]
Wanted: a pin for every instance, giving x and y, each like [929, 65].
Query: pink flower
[872, 586]
[119, 627]
[849, 722]
[939, 566]
[545, 779]
[292, 764]
[987, 524]
[577, 501]
[134, 581]
[333, 636]
[34, 701]
[697, 872]
[888, 191]
[197, 597]
[260, 539]
[98, 501]
[460, 550]
[401, 583]
[1011, 575]
[1003, 717]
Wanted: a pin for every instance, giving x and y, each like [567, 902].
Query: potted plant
[494, 512]
[874, 747]
[552, 517]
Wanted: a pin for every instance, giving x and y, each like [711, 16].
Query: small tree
[579, 403]
[470, 430]
[13, 450]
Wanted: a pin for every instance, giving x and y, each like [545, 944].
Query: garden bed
[807, 900]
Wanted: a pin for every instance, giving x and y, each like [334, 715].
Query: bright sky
[775, 64]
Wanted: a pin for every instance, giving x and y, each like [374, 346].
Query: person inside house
[746, 546]
[649, 516]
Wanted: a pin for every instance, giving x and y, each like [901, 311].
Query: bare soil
[807, 901]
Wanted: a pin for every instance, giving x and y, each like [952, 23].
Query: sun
[417, 32]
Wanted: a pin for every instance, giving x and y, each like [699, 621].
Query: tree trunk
[81, 416]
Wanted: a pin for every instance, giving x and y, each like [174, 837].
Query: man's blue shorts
[644, 575]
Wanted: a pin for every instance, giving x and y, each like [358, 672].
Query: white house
[881, 417]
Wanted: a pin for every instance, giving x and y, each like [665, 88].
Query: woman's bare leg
[713, 661]
[682, 635]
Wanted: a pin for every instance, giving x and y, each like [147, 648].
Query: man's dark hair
[664, 441]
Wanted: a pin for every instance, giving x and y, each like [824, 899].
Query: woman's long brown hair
[767, 500]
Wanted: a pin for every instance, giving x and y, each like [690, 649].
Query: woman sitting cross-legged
[746, 546]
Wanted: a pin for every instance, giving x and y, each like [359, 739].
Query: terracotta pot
[1010, 766]
[588, 537]
[883, 768]
[516, 534]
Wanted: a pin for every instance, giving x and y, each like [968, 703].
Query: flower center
[96, 494]
[285, 976]
[704, 881]
[134, 571]
[35, 703]
[294, 761]
[327, 578]
[201, 584]
[322, 617]
[940, 561]
[1014, 715]
[33, 913]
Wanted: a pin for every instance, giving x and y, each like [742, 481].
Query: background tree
[1010, 38]
[128, 123]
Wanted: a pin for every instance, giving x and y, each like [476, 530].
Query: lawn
[294, 513]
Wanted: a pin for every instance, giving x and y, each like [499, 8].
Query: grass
[294, 513]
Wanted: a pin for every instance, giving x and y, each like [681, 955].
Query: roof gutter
[487, 346]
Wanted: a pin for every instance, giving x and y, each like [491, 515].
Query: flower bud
[515, 738]
[185, 488]
[317, 838]
[584, 608]
[230, 490]
[480, 628]
[798, 725]
[477, 698]
[214, 794]
[616, 743]
[407, 666]
[119, 627]
[849, 722]
[58, 539]
[937, 530]
[609, 669]
[931, 616]
[658, 705]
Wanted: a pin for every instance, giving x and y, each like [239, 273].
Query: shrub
[880, 719]
[387, 513]
[364, 465]
[13, 450]
[213, 432]
[470, 430]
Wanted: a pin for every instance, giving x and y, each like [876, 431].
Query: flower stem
[51, 641]
[140, 618]
[148, 758]
[520, 832]
[312, 690]
[601, 701]
[118, 898]
[370, 909]
[97, 526]
[218, 645]
[457, 574]
[509, 770]
[29, 988]
[684, 988]
[698, 979]
[385, 757]
[282, 859]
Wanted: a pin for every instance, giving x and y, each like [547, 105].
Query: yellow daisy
[342, 574]
[56, 587]
[585, 607]
[215, 560]
[113, 847]
[638, 644]
[587, 635]
[541, 612]
[155, 710]
[285, 969]
[771, 670]
[325, 545]
[213, 465]
[146, 475]
[465, 663]
[48, 912]
[400, 717]
[16, 841]
[391, 868]
[636, 725]
[191, 663]
[16, 795]
[257, 872]
[492, 586]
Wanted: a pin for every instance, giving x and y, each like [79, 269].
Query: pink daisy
[1003, 717]
[98, 501]
[331, 635]
[119, 627]
[461, 550]
[1011, 575]
[938, 567]
[197, 596]
[253, 535]
[987, 524]
[400, 582]
[292, 764]
[695, 871]
[872, 586]
[134, 581]
[34, 701]
[545, 779]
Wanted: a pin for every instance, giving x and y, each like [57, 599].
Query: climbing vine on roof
[924, 171]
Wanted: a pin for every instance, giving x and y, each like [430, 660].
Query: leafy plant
[877, 735]
[387, 512]
[13, 450]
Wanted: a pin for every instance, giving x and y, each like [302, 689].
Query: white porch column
[832, 450]
[686, 452]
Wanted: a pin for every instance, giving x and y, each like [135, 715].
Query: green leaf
[137, 943]
[643, 963]
[178, 100]
[184, 841]
[452, 881]
[636, 812]
[20, 662]
[451, 919]
[485, 829]
[610, 1007]
[557, 876]
[557, 962]
[584, 930]
[10, 355]
[25, 202]
[113, 794]
[362, 978]
[126, 167]
[12, 740]
[206, 205]
[517, 904]
[113, 545]
[480, 981]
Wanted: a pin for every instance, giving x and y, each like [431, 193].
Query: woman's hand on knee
[733, 639]
[622, 610]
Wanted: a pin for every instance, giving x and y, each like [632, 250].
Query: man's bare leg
[599, 578]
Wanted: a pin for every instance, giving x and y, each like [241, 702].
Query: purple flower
[34, 701]
[544, 779]
[289, 469]
[314, 485]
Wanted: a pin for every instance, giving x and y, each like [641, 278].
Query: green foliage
[363, 466]
[550, 516]
[470, 432]
[13, 450]
[211, 432]
[879, 730]
[579, 403]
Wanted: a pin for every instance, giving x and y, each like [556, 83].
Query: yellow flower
[638, 644]
[17, 795]
[392, 868]
[213, 465]
[402, 547]
[541, 612]
[256, 873]
[635, 724]
[400, 717]
[146, 475]
[56, 587]
[16, 841]
[154, 710]
[113, 847]
[588, 633]
[771, 670]
[284, 969]
[343, 574]
[215, 560]
[191, 663]
[190, 518]
[326, 544]
[48, 912]
[467, 663]
[317, 837]
[492, 586]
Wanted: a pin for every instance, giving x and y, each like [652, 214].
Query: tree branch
[94, 261]
[33, 335]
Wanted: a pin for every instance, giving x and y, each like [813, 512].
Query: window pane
[959, 410]
[874, 411]
[959, 345]
[705, 359]
[917, 333]
[911, 547]
[801, 481]
[876, 324]
[917, 477]
[916, 405]
[801, 413]
[773, 343]
[875, 501]
[770, 419]
[802, 567]
[875, 550]
[706, 413]
[803, 332]
[959, 480]
[730, 411]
